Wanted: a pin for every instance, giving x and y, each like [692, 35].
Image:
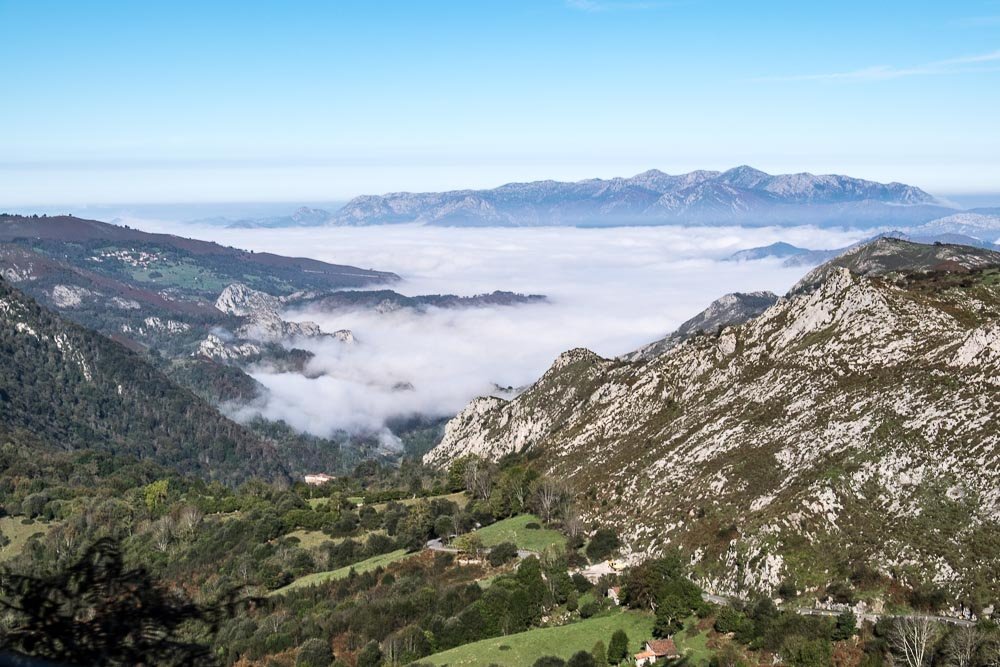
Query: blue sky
[315, 101]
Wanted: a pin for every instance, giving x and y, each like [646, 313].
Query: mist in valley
[609, 290]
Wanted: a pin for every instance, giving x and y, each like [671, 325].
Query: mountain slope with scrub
[849, 428]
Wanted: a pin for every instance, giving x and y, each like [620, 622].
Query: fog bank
[610, 290]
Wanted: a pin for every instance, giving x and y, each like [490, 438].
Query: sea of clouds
[610, 290]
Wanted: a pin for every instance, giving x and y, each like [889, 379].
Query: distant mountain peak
[742, 195]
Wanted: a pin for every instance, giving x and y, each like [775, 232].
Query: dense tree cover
[211, 539]
[99, 612]
[73, 388]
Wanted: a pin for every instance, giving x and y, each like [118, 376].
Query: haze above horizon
[309, 101]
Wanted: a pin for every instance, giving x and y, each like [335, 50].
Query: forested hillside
[73, 388]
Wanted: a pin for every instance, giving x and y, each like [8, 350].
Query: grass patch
[18, 534]
[332, 575]
[311, 539]
[184, 274]
[693, 643]
[458, 498]
[513, 530]
[526, 647]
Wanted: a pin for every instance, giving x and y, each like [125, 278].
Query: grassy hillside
[515, 530]
[526, 647]
[15, 530]
[332, 575]
[188, 265]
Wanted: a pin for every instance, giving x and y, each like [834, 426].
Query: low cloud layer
[611, 290]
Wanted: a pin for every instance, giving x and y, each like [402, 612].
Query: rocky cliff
[851, 424]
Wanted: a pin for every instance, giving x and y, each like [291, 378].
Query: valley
[751, 455]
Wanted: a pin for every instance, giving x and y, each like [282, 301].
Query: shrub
[589, 609]
[314, 653]
[602, 544]
[728, 620]
[549, 661]
[800, 652]
[927, 598]
[787, 590]
[847, 625]
[581, 583]
[370, 656]
[502, 553]
[840, 592]
[533, 526]
[581, 659]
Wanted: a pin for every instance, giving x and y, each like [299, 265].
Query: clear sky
[222, 101]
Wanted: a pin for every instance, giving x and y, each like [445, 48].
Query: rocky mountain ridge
[726, 311]
[742, 195]
[851, 425]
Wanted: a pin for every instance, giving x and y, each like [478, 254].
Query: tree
[602, 544]
[618, 647]
[444, 526]
[470, 544]
[479, 476]
[188, 520]
[370, 656]
[912, 640]
[512, 491]
[502, 553]
[529, 575]
[34, 504]
[846, 626]
[670, 613]
[581, 659]
[314, 653]
[549, 497]
[97, 612]
[155, 493]
[798, 651]
[962, 645]
[600, 654]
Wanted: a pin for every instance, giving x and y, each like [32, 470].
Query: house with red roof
[655, 651]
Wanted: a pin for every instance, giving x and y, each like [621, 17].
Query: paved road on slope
[811, 611]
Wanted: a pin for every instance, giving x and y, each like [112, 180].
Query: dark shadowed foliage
[97, 612]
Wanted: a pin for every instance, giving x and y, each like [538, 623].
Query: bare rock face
[213, 347]
[156, 325]
[844, 425]
[268, 327]
[262, 317]
[240, 300]
[69, 296]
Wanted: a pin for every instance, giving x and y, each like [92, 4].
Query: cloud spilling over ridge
[611, 290]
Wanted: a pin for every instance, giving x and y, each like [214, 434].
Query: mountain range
[848, 428]
[742, 195]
